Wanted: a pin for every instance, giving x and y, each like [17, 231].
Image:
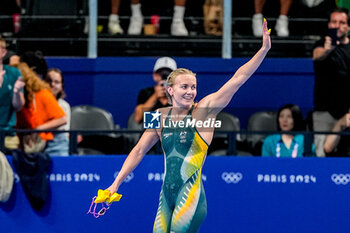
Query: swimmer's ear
[170, 90]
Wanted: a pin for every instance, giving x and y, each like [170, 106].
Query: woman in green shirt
[289, 118]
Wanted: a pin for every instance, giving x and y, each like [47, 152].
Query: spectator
[332, 77]
[281, 23]
[60, 143]
[14, 60]
[113, 21]
[289, 118]
[339, 145]
[152, 98]
[178, 27]
[41, 111]
[11, 98]
[36, 61]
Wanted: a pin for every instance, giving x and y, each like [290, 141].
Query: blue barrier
[113, 83]
[244, 194]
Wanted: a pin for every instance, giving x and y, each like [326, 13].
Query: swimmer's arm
[220, 99]
[147, 140]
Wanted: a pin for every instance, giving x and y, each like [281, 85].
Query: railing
[229, 42]
[231, 137]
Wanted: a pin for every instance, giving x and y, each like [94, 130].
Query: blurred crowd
[137, 17]
[32, 94]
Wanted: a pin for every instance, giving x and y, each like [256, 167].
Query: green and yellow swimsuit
[182, 203]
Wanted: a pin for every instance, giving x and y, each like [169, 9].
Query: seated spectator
[11, 98]
[60, 143]
[339, 145]
[152, 98]
[41, 111]
[289, 118]
[36, 61]
[178, 27]
[281, 23]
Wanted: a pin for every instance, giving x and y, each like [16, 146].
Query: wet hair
[36, 61]
[171, 79]
[339, 10]
[62, 93]
[297, 116]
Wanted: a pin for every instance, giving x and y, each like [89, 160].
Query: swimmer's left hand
[266, 36]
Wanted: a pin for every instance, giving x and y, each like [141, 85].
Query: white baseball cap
[165, 62]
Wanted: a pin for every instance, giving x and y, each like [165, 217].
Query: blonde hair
[172, 76]
[2, 43]
[32, 82]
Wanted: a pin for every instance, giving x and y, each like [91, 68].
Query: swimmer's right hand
[105, 196]
[112, 189]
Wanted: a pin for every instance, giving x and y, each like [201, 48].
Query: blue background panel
[244, 194]
[114, 83]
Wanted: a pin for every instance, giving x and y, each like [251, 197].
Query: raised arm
[220, 99]
[147, 140]
[18, 96]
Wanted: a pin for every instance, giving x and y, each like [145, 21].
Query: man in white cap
[152, 98]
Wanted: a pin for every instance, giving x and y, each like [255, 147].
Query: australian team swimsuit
[182, 203]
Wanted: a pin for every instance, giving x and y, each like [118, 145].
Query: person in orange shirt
[41, 111]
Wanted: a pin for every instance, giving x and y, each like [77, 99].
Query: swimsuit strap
[191, 110]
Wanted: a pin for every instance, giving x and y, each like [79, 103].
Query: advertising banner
[244, 195]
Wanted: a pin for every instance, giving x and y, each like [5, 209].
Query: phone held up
[332, 33]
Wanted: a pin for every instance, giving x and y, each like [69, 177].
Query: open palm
[266, 36]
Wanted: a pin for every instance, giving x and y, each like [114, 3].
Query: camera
[332, 32]
[164, 73]
[165, 76]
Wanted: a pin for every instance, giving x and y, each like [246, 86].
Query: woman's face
[55, 81]
[183, 91]
[286, 120]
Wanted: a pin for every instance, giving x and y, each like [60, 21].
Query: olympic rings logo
[343, 179]
[231, 177]
[127, 179]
